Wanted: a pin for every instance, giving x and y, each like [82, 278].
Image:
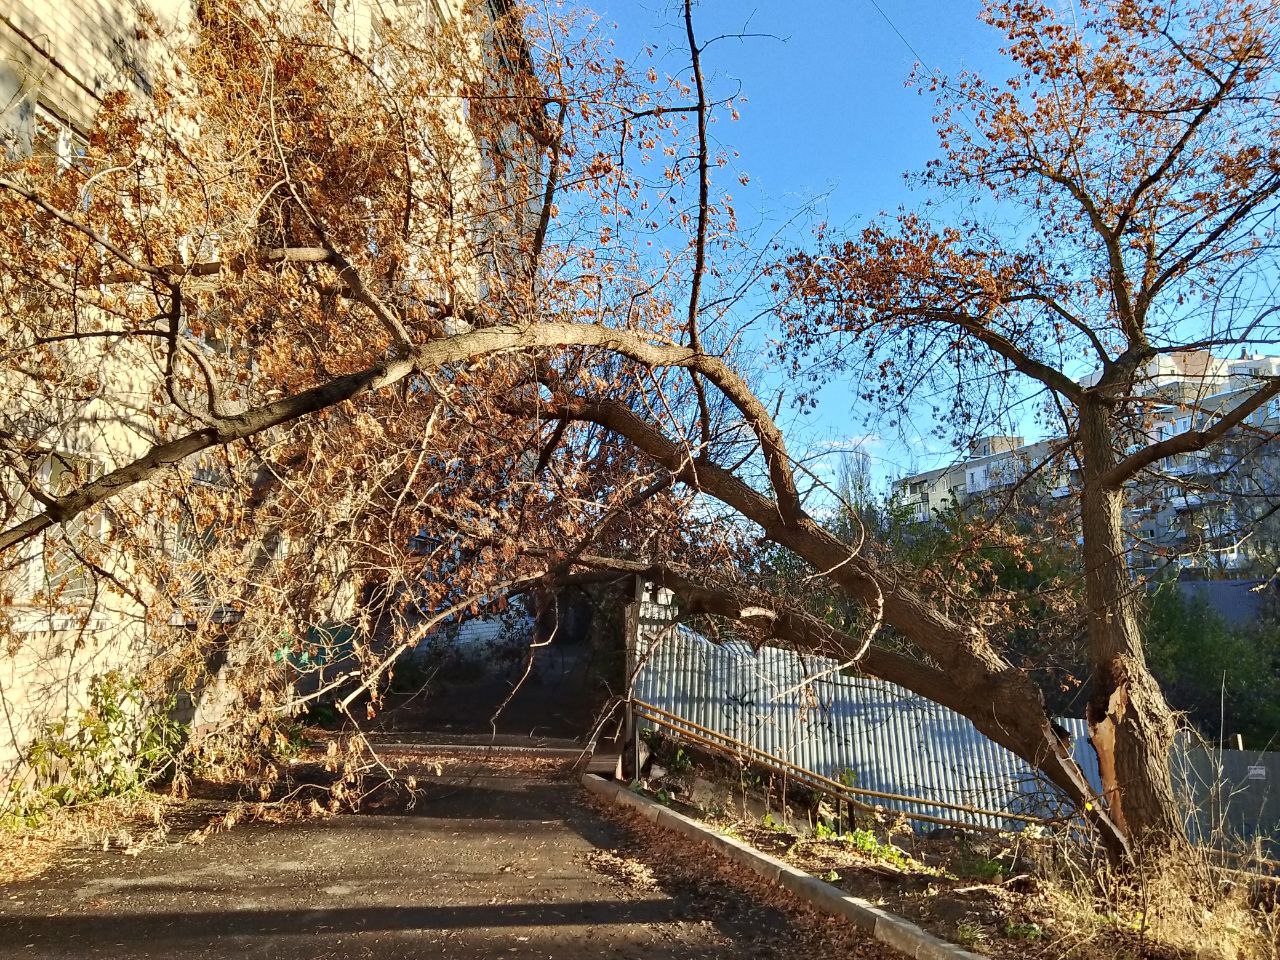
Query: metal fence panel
[878, 736]
[863, 731]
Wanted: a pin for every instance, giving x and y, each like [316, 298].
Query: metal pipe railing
[1265, 869]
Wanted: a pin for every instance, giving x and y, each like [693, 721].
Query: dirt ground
[999, 897]
[496, 861]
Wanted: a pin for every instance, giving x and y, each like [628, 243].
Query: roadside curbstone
[893, 931]
[899, 934]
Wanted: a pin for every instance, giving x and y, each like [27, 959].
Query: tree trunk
[1130, 725]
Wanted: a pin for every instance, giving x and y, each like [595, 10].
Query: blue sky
[828, 117]
[828, 111]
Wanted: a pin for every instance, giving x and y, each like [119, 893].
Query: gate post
[631, 641]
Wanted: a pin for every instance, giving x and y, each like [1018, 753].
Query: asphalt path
[484, 865]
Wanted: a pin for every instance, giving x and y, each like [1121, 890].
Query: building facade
[72, 607]
[1207, 514]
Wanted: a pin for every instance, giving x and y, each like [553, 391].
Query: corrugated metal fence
[876, 736]
[859, 731]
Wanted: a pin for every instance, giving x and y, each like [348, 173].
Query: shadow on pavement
[182, 927]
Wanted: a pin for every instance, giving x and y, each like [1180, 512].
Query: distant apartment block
[1215, 512]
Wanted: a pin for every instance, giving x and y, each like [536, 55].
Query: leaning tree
[1115, 205]
[388, 319]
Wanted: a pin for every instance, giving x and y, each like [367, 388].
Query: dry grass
[29, 846]
[1019, 898]
[1182, 907]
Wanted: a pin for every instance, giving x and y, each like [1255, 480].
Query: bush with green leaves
[974, 866]
[121, 742]
[1226, 678]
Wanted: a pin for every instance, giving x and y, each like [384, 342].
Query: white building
[63, 621]
[1195, 511]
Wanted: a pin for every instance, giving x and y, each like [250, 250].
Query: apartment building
[1211, 513]
[71, 608]
[994, 465]
[59, 59]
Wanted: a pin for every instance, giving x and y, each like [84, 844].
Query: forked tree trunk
[1130, 725]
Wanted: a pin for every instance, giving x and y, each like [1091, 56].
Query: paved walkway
[495, 867]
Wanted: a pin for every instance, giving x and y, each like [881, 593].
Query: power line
[905, 42]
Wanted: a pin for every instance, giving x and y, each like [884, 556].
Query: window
[17, 111]
[191, 545]
[55, 568]
[60, 567]
[57, 141]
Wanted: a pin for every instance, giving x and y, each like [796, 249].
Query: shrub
[120, 743]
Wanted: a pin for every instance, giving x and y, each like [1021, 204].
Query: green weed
[1023, 931]
[969, 934]
[978, 868]
[772, 823]
[119, 744]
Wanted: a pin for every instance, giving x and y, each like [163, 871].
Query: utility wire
[937, 78]
[905, 42]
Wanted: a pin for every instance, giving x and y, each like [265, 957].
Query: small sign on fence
[1256, 772]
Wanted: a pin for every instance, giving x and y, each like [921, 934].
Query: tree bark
[1131, 726]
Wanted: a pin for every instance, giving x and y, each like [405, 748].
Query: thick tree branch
[548, 192]
[964, 651]
[1188, 442]
[1002, 346]
[466, 346]
[1130, 321]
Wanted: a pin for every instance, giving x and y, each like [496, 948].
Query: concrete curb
[894, 931]
[431, 749]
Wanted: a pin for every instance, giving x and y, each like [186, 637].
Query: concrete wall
[69, 53]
